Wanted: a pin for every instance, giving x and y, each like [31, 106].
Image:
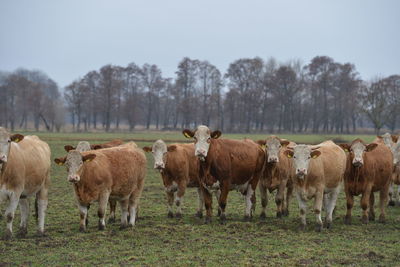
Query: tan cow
[276, 175]
[318, 172]
[84, 146]
[112, 173]
[25, 172]
[235, 164]
[179, 169]
[369, 169]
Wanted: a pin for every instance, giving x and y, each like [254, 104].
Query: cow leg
[101, 212]
[318, 208]
[83, 212]
[303, 210]
[264, 200]
[289, 191]
[124, 213]
[133, 208]
[179, 200]
[170, 202]
[10, 211]
[217, 196]
[249, 202]
[330, 206]
[279, 199]
[199, 212]
[383, 197]
[349, 206]
[42, 201]
[365, 204]
[207, 203]
[24, 208]
[222, 201]
[397, 194]
[391, 192]
[113, 205]
[371, 214]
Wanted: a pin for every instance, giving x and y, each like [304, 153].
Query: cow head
[159, 150]
[389, 139]
[301, 155]
[396, 153]
[5, 143]
[82, 146]
[74, 162]
[202, 139]
[357, 149]
[273, 146]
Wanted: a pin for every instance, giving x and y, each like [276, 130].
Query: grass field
[159, 241]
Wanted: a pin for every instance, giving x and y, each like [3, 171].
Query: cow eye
[309, 157]
[208, 139]
[294, 157]
[9, 140]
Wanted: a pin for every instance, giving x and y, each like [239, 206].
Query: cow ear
[147, 149]
[171, 148]
[60, 161]
[188, 133]
[261, 143]
[288, 153]
[315, 154]
[68, 148]
[345, 147]
[371, 147]
[285, 142]
[16, 138]
[395, 138]
[216, 134]
[95, 147]
[88, 158]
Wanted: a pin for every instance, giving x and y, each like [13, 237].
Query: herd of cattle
[115, 172]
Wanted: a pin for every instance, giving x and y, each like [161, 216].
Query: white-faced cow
[369, 169]
[25, 172]
[98, 175]
[276, 175]
[318, 172]
[235, 164]
[179, 169]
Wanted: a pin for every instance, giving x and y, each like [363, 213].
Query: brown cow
[276, 175]
[84, 146]
[235, 164]
[117, 173]
[368, 170]
[179, 168]
[318, 172]
[25, 172]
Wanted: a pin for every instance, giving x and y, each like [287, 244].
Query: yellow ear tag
[263, 146]
[88, 160]
[346, 150]
[187, 135]
[60, 163]
[314, 156]
[289, 156]
[16, 140]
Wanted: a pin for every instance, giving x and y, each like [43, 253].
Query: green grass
[157, 240]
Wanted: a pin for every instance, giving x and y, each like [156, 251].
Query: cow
[25, 172]
[276, 175]
[84, 146]
[116, 173]
[235, 164]
[368, 169]
[394, 190]
[318, 173]
[179, 169]
[390, 141]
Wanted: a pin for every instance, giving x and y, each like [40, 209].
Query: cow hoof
[285, 213]
[328, 225]
[82, 229]
[199, 214]
[247, 218]
[123, 226]
[263, 217]
[111, 220]
[101, 227]
[22, 232]
[207, 220]
[278, 214]
[7, 235]
[302, 227]
[318, 228]
[382, 219]
[364, 219]
[222, 219]
[178, 215]
[219, 213]
[372, 217]
[347, 220]
[86, 222]
[391, 203]
[170, 214]
[40, 233]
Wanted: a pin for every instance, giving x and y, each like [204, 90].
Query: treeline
[253, 95]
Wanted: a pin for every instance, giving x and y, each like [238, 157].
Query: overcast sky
[66, 39]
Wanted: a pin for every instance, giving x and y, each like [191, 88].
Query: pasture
[157, 240]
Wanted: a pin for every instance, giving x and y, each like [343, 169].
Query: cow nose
[201, 152]
[3, 159]
[301, 171]
[73, 178]
[159, 166]
[273, 160]
[357, 163]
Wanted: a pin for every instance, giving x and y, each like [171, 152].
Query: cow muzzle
[159, 166]
[201, 153]
[357, 163]
[301, 173]
[273, 160]
[3, 159]
[74, 178]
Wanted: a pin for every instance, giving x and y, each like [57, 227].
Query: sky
[68, 38]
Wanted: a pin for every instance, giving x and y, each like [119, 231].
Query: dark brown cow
[368, 170]
[117, 173]
[235, 164]
[179, 169]
[276, 175]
